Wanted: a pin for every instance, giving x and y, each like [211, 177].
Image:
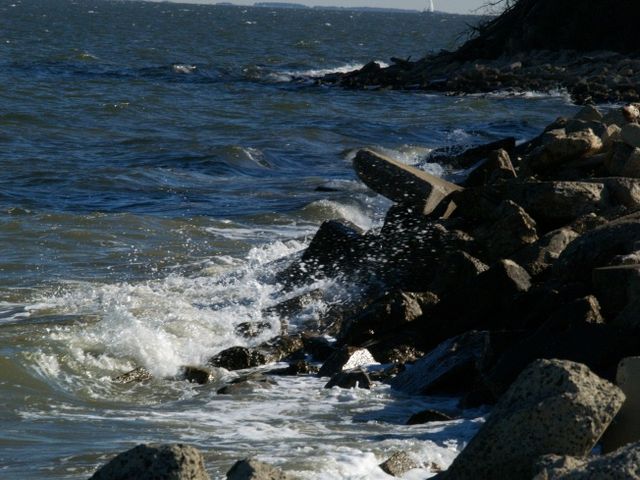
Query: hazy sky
[458, 6]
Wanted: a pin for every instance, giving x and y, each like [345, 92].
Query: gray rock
[398, 464]
[625, 428]
[252, 469]
[622, 191]
[623, 464]
[347, 358]
[294, 306]
[451, 367]
[539, 257]
[630, 134]
[554, 406]
[136, 375]
[565, 149]
[247, 385]
[155, 462]
[401, 183]
[351, 379]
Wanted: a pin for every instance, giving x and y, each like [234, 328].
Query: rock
[460, 268]
[335, 241]
[383, 316]
[539, 257]
[612, 134]
[626, 426]
[319, 347]
[398, 464]
[252, 469]
[616, 286]
[498, 166]
[252, 329]
[623, 464]
[198, 375]
[351, 379]
[513, 230]
[295, 305]
[565, 149]
[630, 134]
[247, 385]
[138, 375]
[428, 416]
[556, 202]
[575, 125]
[623, 160]
[155, 462]
[452, 367]
[347, 358]
[399, 354]
[589, 113]
[239, 358]
[299, 367]
[473, 155]
[597, 248]
[401, 183]
[283, 347]
[629, 318]
[622, 191]
[553, 406]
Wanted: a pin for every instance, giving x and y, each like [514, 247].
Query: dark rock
[401, 183]
[247, 384]
[596, 248]
[454, 366]
[625, 428]
[239, 358]
[619, 154]
[252, 469]
[622, 191]
[460, 268]
[294, 306]
[616, 286]
[498, 166]
[335, 240]
[399, 354]
[137, 375]
[198, 375]
[540, 256]
[398, 464]
[283, 347]
[155, 462]
[623, 464]
[317, 346]
[553, 406]
[252, 329]
[589, 113]
[473, 155]
[428, 416]
[351, 379]
[299, 367]
[347, 358]
[566, 148]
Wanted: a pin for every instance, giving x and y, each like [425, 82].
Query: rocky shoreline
[518, 287]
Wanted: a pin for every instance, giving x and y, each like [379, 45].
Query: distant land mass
[318, 7]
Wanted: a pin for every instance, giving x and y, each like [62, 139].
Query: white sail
[431, 7]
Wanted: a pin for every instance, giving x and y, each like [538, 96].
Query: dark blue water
[155, 160]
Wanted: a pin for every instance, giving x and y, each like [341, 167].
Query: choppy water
[157, 162]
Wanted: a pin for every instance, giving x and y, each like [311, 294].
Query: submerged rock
[139, 374]
[553, 406]
[247, 384]
[428, 416]
[155, 462]
[252, 469]
[239, 358]
[398, 464]
[351, 379]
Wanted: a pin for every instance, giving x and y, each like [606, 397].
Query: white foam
[312, 73]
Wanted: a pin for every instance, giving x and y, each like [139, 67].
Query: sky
[455, 6]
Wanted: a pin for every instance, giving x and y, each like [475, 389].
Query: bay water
[159, 163]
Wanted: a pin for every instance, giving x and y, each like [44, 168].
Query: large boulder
[452, 367]
[347, 358]
[565, 148]
[155, 462]
[540, 256]
[554, 406]
[496, 167]
[616, 286]
[252, 469]
[623, 464]
[626, 426]
[623, 160]
[274, 350]
[401, 183]
[597, 248]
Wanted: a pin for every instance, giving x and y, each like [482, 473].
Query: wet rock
[473, 155]
[294, 306]
[239, 358]
[616, 286]
[381, 317]
[299, 367]
[428, 416]
[251, 329]
[319, 347]
[347, 358]
[136, 375]
[623, 464]
[247, 385]
[513, 230]
[398, 464]
[626, 426]
[452, 367]
[553, 406]
[498, 166]
[198, 375]
[597, 248]
[350, 379]
[155, 462]
[283, 347]
[335, 241]
[252, 469]
[401, 183]
[400, 354]
[540, 256]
